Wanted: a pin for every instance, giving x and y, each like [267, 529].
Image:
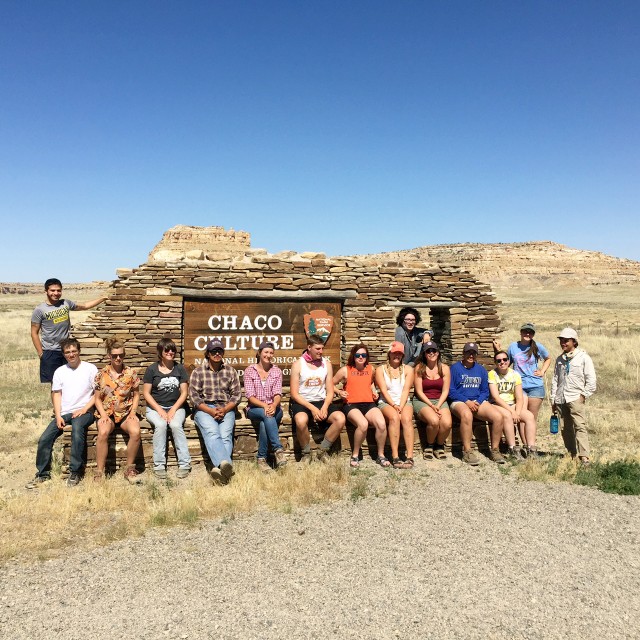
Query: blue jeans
[78, 439]
[217, 434]
[268, 434]
[160, 438]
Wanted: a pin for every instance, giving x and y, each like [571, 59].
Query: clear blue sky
[345, 127]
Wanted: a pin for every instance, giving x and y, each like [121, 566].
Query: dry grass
[95, 514]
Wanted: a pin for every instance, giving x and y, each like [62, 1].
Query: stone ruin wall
[143, 306]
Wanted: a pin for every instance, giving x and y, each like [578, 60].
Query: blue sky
[343, 127]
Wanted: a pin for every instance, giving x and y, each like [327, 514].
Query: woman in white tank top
[394, 380]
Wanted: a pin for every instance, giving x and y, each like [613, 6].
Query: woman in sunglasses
[360, 404]
[395, 379]
[117, 396]
[263, 388]
[165, 388]
[431, 386]
[505, 389]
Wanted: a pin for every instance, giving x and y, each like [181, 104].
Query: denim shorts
[534, 392]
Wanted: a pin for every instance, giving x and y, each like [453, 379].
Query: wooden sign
[242, 326]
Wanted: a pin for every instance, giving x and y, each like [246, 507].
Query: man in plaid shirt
[214, 391]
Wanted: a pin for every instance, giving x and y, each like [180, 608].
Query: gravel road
[455, 553]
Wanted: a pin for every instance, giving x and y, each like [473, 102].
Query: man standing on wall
[72, 395]
[214, 391]
[50, 325]
[311, 395]
[574, 380]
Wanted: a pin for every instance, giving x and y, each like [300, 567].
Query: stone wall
[146, 304]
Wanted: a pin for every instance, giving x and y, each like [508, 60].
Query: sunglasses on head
[360, 355]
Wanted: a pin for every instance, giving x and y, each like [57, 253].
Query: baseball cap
[396, 346]
[528, 326]
[214, 344]
[470, 346]
[568, 332]
[430, 345]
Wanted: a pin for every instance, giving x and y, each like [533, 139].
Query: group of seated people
[412, 381]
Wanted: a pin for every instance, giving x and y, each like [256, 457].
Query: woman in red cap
[394, 380]
[431, 386]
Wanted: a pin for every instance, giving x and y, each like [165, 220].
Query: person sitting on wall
[311, 394]
[394, 380]
[165, 389]
[360, 403]
[117, 398]
[410, 335]
[73, 400]
[468, 396]
[263, 388]
[214, 391]
[50, 324]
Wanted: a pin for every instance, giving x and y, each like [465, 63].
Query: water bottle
[554, 423]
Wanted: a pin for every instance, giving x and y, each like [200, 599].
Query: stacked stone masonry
[144, 305]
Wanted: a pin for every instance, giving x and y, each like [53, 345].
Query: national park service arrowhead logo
[318, 323]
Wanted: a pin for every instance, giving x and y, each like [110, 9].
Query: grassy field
[608, 319]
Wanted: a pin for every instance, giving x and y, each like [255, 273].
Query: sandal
[427, 454]
[382, 461]
[354, 463]
[397, 463]
[440, 454]
[408, 463]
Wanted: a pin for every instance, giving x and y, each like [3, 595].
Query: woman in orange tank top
[360, 402]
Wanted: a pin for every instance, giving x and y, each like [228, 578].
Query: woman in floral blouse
[117, 396]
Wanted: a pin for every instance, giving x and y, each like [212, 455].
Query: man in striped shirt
[214, 391]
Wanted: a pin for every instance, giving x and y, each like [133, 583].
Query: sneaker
[132, 475]
[182, 473]
[322, 455]
[263, 466]
[497, 457]
[216, 476]
[36, 482]
[73, 480]
[471, 458]
[281, 459]
[161, 474]
[584, 461]
[306, 457]
[226, 468]
[516, 454]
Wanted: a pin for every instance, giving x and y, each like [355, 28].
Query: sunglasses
[500, 360]
[360, 355]
[216, 352]
[170, 350]
[431, 351]
[115, 356]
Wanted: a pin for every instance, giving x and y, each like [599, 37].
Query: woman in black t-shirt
[165, 389]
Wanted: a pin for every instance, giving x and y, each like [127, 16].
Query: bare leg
[465, 415]
[393, 427]
[376, 419]
[105, 427]
[406, 418]
[131, 426]
[356, 418]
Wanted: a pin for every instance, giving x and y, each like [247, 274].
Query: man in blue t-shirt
[468, 398]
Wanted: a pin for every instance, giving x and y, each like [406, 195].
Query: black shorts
[294, 408]
[49, 362]
[363, 407]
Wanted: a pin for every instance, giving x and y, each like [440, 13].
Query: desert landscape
[599, 298]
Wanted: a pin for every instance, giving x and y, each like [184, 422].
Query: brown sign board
[242, 326]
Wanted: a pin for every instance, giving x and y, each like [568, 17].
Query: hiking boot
[161, 474]
[182, 473]
[516, 454]
[322, 455]
[36, 482]
[132, 476]
[263, 465]
[216, 476]
[226, 468]
[281, 459]
[532, 453]
[306, 457]
[73, 480]
[497, 457]
[471, 458]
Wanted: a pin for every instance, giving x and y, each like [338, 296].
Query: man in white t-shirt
[72, 396]
[311, 396]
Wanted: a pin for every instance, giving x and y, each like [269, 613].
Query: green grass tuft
[621, 477]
